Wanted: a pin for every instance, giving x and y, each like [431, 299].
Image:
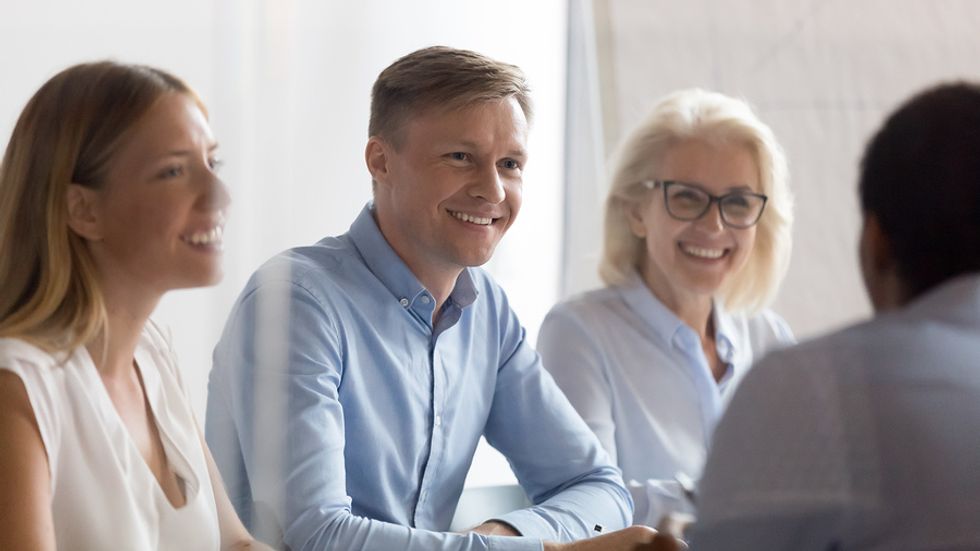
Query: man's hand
[494, 528]
[634, 538]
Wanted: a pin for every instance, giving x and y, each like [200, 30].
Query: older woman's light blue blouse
[639, 377]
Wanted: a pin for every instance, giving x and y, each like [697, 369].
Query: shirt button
[424, 299]
[403, 302]
[438, 421]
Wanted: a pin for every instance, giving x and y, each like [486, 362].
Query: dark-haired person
[867, 438]
[108, 199]
[356, 376]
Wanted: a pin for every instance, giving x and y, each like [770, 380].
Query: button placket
[434, 461]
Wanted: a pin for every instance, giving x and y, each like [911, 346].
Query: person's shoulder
[767, 330]
[320, 269]
[593, 298]
[46, 376]
[588, 306]
[318, 261]
[19, 353]
[815, 357]
[595, 317]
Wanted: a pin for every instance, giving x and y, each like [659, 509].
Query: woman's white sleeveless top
[103, 493]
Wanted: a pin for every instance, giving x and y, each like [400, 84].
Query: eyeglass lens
[738, 209]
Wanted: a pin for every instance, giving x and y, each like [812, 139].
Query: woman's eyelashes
[177, 170]
[171, 171]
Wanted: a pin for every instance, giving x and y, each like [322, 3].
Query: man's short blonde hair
[697, 114]
[443, 78]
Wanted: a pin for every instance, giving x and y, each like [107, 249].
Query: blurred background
[288, 85]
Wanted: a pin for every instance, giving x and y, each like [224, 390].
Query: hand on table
[494, 528]
[634, 538]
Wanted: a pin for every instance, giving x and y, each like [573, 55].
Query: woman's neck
[694, 309]
[696, 314]
[114, 348]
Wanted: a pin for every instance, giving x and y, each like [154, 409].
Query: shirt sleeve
[277, 415]
[575, 358]
[558, 461]
[776, 475]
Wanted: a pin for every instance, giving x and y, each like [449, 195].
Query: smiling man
[356, 376]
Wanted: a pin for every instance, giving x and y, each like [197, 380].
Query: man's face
[451, 189]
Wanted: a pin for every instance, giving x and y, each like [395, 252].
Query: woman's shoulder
[20, 355]
[46, 383]
[592, 318]
[588, 305]
[766, 329]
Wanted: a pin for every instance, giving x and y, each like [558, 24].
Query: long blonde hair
[67, 133]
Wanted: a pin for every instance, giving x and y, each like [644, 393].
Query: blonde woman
[697, 239]
[108, 199]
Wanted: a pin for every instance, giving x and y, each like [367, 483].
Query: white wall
[822, 74]
[288, 87]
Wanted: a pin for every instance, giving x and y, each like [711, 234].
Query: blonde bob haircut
[713, 118]
[68, 132]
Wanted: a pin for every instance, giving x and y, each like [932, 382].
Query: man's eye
[215, 164]
[458, 156]
[511, 164]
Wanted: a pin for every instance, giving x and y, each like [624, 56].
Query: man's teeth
[703, 253]
[209, 237]
[472, 219]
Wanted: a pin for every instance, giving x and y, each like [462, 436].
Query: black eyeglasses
[739, 209]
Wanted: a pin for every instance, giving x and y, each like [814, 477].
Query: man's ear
[878, 266]
[376, 156]
[876, 249]
[83, 212]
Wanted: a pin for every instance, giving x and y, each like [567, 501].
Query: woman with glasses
[697, 239]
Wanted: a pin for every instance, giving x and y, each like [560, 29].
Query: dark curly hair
[920, 177]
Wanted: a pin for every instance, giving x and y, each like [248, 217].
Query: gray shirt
[865, 439]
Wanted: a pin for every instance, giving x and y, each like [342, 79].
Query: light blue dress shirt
[863, 439]
[339, 415]
[638, 376]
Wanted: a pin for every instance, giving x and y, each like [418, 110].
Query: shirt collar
[660, 319]
[955, 295]
[392, 271]
[671, 329]
[726, 334]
